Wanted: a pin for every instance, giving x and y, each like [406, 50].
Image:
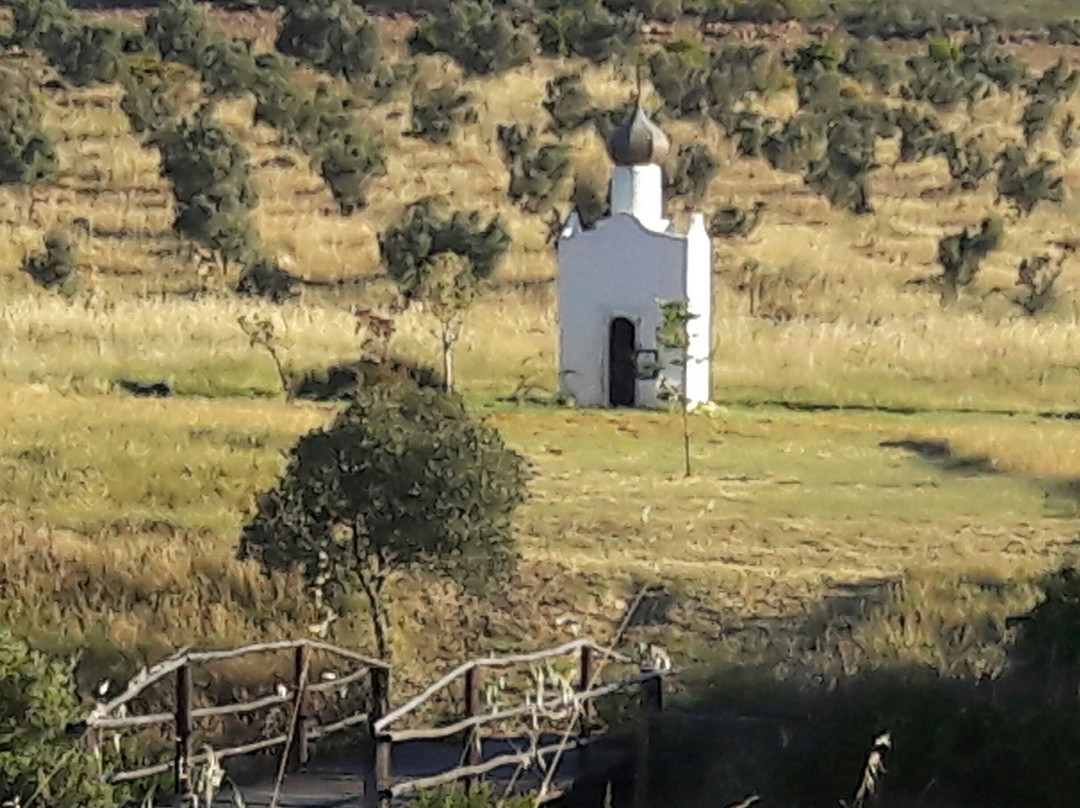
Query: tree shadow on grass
[941, 454]
[794, 725]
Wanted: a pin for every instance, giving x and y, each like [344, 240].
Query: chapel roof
[638, 142]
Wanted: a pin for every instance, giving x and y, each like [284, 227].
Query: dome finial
[639, 141]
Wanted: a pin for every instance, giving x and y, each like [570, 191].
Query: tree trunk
[380, 622]
[685, 431]
[447, 358]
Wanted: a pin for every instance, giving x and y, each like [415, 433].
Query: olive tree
[403, 480]
[39, 763]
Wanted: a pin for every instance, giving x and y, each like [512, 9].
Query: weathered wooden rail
[573, 704]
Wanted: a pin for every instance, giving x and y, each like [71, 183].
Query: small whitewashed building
[613, 275]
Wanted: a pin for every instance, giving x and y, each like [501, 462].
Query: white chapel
[613, 275]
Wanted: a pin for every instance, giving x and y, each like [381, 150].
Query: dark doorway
[622, 369]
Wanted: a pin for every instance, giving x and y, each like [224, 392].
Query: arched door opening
[622, 367]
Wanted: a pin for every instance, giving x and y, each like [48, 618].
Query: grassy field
[875, 456]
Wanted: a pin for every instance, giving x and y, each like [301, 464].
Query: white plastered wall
[618, 269]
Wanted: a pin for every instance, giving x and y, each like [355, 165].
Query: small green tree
[691, 172]
[588, 30]
[536, 171]
[402, 480]
[479, 37]
[157, 94]
[211, 178]
[589, 200]
[39, 763]
[1026, 183]
[336, 36]
[568, 103]
[408, 248]
[438, 111]
[447, 289]
[27, 153]
[961, 254]
[55, 267]
[673, 340]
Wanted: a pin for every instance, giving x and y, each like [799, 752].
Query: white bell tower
[613, 276]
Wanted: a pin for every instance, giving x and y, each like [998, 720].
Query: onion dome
[638, 142]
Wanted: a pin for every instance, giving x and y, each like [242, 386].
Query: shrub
[180, 30]
[348, 160]
[1036, 118]
[678, 73]
[1027, 184]
[37, 758]
[842, 175]
[1037, 275]
[590, 201]
[336, 36]
[751, 131]
[800, 142]
[737, 71]
[661, 10]
[265, 278]
[606, 120]
[83, 54]
[27, 153]
[920, 135]
[402, 480]
[157, 94]
[568, 103]
[480, 38]
[961, 254]
[693, 169]
[55, 267]
[588, 30]
[536, 172]
[211, 179]
[438, 111]
[407, 249]
[866, 61]
[34, 19]
[969, 164]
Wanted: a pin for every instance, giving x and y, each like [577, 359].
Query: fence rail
[576, 707]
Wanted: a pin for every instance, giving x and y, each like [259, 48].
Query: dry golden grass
[120, 515]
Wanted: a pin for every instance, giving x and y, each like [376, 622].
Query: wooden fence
[576, 707]
[112, 715]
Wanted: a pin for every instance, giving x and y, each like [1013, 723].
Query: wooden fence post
[380, 706]
[182, 761]
[585, 681]
[302, 753]
[474, 753]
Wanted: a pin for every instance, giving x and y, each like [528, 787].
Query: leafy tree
[568, 103]
[157, 94]
[181, 31]
[673, 340]
[693, 169]
[482, 39]
[54, 268]
[438, 111]
[1026, 184]
[920, 135]
[348, 160]
[409, 248]
[843, 173]
[38, 761]
[590, 201]
[588, 30]
[211, 179]
[968, 162]
[403, 480]
[961, 254]
[336, 36]
[1037, 275]
[447, 287]
[34, 19]
[679, 72]
[27, 153]
[536, 172]
[265, 278]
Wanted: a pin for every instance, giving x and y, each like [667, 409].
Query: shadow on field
[794, 725]
[941, 454]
